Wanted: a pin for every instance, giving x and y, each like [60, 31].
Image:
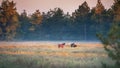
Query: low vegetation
[28, 55]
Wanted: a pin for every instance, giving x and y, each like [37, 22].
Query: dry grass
[63, 54]
[57, 51]
[86, 54]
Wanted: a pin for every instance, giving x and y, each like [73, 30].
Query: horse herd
[63, 44]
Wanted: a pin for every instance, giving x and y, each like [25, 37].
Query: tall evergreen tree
[36, 19]
[81, 20]
[98, 13]
[25, 24]
[8, 20]
[112, 40]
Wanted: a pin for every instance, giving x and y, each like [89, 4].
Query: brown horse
[61, 45]
[73, 45]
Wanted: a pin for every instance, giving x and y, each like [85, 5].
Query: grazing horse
[61, 45]
[73, 45]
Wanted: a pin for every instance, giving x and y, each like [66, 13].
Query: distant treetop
[99, 7]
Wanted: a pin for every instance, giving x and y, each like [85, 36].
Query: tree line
[82, 24]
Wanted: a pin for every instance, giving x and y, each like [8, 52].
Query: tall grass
[47, 56]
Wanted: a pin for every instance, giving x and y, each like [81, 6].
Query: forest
[82, 25]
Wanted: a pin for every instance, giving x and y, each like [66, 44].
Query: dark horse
[61, 45]
[73, 45]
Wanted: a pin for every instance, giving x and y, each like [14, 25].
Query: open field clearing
[48, 55]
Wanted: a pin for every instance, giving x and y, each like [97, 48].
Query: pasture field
[48, 55]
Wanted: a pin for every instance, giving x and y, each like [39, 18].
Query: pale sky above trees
[45, 5]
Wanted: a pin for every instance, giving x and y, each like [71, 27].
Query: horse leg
[75, 45]
[58, 46]
[61, 46]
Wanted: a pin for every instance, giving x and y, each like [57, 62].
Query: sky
[44, 5]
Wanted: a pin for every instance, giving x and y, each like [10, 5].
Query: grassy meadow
[48, 55]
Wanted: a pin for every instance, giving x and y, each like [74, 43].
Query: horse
[73, 45]
[61, 45]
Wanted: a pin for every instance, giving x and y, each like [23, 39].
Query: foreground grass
[50, 56]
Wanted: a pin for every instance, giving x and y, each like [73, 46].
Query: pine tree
[112, 40]
[25, 24]
[36, 19]
[81, 19]
[82, 11]
[98, 12]
[100, 18]
[8, 20]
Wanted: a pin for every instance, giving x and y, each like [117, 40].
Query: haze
[45, 5]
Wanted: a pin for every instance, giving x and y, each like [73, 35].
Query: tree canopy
[82, 24]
